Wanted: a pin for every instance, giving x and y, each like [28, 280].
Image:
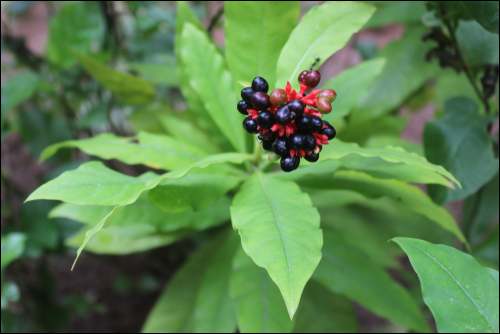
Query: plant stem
[257, 153]
[215, 19]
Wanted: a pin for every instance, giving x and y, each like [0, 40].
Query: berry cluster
[289, 123]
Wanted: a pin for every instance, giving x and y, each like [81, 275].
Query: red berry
[312, 79]
[278, 97]
[328, 94]
[302, 75]
[324, 106]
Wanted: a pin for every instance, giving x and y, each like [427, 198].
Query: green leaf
[450, 84]
[279, 230]
[462, 295]
[345, 270]
[459, 142]
[404, 73]
[12, 247]
[151, 219]
[129, 89]
[324, 312]
[157, 73]
[260, 307]
[183, 306]
[384, 125]
[213, 83]
[397, 155]
[494, 273]
[485, 13]
[19, 89]
[155, 151]
[78, 26]
[350, 86]
[488, 250]
[391, 12]
[478, 45]
[322, 31]
[408, 196]
[254, 51]
[197, 191]
[481, 210]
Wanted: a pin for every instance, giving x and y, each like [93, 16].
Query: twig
[215, 19]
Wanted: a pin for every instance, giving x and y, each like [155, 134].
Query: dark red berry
[329, 131]
[309, 142]
[283, 115]
[303, 123]
[297, 140]
[281, 147]
[243, 106]
[261, 100]
[297, 107]
[324, 106]
[259, 84]
[246, 94]
[316, 124]
[328, 94]
[289, 164]
[266, 119]
[313, 157]
[278, 97]
[312, 79]
[302, 75]
[250, 125]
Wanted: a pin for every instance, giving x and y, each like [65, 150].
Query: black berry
[266, 119]
[289, 164]
[281, 147]
[268, 145]
[283, 115]
[261, 100]
[316, 124]
[313, 157]
[243, 106]
[297, 140]
[309, 142]
[260, 84]
[246, 94]
[297, 107]
[267, 136]
[329, 131]
[303, 123]
[250, 125]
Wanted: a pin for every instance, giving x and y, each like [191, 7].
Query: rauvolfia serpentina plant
[296, 256]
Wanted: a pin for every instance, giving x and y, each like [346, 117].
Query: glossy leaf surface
[279, 230]
[462, 295]
[484, 12]
[478, 45]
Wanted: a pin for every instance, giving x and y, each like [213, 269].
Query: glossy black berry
[281, 147]
[243, 106]
[316, 124]
[309, 142]
[259, 84]
[297, 140]
[283, 115]
[289, 164]
[250, 125]
[268, 145]
[267, 136]
[329, 131]
[261, 101]
[297, 107]
[266, 119]
[313, 157]
[247, 93]
[303, 123]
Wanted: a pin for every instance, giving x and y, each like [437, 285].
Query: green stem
[257, 153]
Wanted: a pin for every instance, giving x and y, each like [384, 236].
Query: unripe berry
[296, 107]
[328, 94]
[278, 97]
[302, 75]
[272, 157]
[261, 100]
[259, 84]
[266, 119]
[281, 147]
[313, 157]
[309, 142]
[246, 94]
[283, 115]
[316, 124]
[250, 125]
[312, 79]
[243, 106]
[289, 164]
[297, 140]
[324, 106]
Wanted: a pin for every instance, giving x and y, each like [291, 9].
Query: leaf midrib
[281, 237]
[454, 279]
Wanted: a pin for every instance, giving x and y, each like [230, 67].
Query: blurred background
[48, 97]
